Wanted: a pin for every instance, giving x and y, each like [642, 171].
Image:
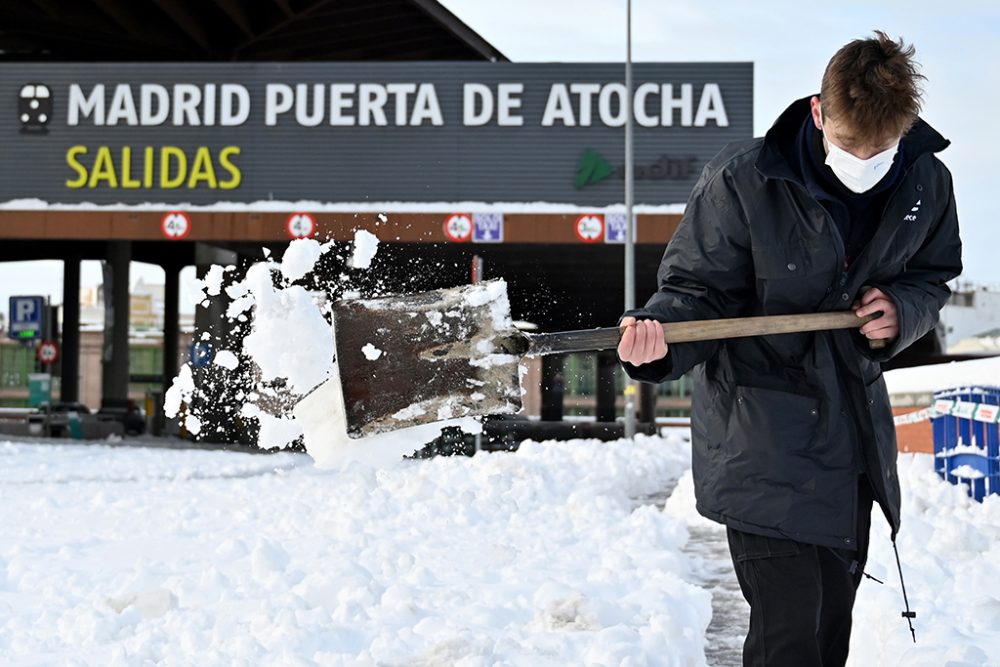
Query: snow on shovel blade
[444, 354]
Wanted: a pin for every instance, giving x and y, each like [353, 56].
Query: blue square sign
[27, 317]
[487, 227]
[614, 227]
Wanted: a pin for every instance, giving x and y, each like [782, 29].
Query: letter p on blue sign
[27, 317]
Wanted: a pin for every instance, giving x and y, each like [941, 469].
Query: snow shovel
[419, 358]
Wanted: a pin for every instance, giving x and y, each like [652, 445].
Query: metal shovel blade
[445, 354]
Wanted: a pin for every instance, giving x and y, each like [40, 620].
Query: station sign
[186, 134]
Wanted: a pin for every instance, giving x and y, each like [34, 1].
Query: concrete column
[114, 360]
[171, 323]
[607, 364]
[69, 391]
[553, 388]
[647, 402]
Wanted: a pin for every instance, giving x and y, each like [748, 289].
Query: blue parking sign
[201, 353]
[487, 227]
[27, 317]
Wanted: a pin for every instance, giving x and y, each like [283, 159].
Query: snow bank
[936, 377]
[950, 551]
[126, 556]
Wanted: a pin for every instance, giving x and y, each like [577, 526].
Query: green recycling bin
[39, 389]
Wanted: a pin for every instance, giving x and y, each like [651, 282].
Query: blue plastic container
[967, 451]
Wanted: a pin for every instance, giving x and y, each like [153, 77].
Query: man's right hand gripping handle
[642, 341]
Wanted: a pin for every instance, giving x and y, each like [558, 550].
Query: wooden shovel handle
[739, 327]
[589, 340]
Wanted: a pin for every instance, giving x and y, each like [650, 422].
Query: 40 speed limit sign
[175, 225]
[300, 225]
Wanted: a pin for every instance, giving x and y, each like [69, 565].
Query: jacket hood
[778, 153]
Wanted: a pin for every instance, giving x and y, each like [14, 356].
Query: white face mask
[856, 174]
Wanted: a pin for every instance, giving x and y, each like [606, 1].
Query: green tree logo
[593, 169]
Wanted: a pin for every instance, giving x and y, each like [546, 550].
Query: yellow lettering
[147, 167]
[224, 162]
[166, 181]
[76, 166]
[127, 181]
[103, 169]
[202, 169]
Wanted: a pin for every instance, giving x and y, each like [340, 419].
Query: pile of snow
[937, 377]
[950, 551]
[121, 556]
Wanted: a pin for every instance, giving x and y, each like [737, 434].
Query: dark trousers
[801, 595]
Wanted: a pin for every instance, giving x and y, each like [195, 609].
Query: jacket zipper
[841, 282]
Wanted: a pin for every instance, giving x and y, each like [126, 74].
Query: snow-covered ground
[548, 556]
[138, 556]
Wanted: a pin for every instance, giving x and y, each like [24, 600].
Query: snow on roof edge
[282, 206]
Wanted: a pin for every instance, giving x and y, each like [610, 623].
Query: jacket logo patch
[912, 215]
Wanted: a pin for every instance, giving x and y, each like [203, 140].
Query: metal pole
[630, 385]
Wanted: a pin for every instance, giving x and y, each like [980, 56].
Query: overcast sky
[789, 44]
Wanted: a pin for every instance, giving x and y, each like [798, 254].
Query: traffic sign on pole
[27, 317]
[47, 352]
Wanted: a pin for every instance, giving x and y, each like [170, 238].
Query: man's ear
[817, 112]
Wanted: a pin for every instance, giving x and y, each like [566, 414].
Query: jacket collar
[778, 153]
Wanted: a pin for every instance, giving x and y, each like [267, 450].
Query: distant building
[146, 308]
[970, 319]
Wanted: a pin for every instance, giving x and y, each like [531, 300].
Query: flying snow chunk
[226, 359]
[371, 352]
[181, 390]
[290, 337]
[365, 247]
[300, 258]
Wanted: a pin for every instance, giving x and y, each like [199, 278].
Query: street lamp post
[631, 387]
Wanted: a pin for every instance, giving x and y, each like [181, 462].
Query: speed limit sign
[47, 352]
[175, 225]
[458, 227]
[300, 225]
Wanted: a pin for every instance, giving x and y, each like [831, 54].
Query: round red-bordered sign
[589, 227]
[175, 225]
[47, 352]
[458, 227]
[300, 225]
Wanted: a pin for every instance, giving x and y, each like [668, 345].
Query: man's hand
[885, 327]
[642, 341]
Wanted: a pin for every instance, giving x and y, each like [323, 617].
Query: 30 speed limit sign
[175, 225]
[300, 225]
[47, 352]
